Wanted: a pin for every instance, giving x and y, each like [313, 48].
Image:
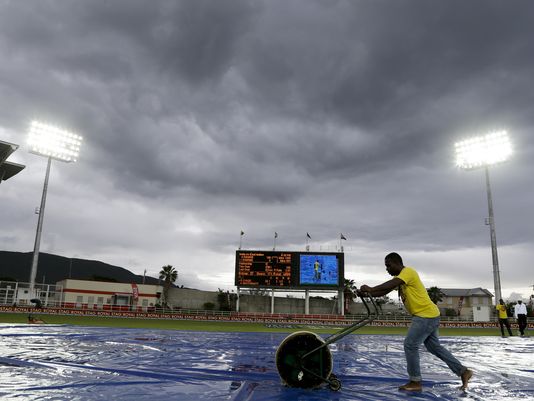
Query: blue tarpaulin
[101, 363]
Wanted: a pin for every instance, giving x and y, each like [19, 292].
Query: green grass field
[192, 325]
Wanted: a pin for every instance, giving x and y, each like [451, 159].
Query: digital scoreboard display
[279, 269]
[264, 269]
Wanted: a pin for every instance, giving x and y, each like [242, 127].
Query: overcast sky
[204, 118]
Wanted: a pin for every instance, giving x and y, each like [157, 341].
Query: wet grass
[192, 325]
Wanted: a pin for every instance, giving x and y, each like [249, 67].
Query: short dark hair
[394, 257]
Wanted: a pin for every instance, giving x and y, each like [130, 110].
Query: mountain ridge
[53, 268]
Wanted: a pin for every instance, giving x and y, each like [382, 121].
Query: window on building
[100, 302]
[449, 300]
[145, 302]
[474, 300]
[121, 300]
[90, 301]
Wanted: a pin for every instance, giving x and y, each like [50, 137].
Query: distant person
[316, 272]
[425, 321]
[520, 314]
[33, 320]
[503, 318]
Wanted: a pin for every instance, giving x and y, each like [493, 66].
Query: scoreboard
[280, 269]
[264, 269]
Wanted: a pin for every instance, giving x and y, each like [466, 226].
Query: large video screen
[278, 269]
[319, 270]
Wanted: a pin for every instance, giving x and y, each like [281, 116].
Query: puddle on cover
[100, 363]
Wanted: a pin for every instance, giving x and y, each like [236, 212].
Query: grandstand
[8, 169]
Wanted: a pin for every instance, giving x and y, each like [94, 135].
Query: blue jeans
[425, 330]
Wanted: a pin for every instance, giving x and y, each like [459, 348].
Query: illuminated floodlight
[50, 141]
[483, 151]
[53, 143]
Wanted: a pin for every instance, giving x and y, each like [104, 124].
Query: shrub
[209, 306]
[450, 312]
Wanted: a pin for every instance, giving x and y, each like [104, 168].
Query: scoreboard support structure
[340, 299]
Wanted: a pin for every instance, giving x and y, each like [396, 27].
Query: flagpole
[341, 237]
[240, 238]
[274, 243]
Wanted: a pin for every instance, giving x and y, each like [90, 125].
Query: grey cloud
[297, 116]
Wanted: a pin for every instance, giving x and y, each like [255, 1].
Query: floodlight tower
[483, 152]
[53, 143]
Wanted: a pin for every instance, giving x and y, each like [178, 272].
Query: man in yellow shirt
[503, 317]
[425, 321]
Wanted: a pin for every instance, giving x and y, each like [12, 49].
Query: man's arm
[382, 289]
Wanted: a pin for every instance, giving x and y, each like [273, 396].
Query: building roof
[466, 292]
[6, 149]
[8, 169]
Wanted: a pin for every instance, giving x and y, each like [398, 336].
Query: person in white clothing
[520, 314]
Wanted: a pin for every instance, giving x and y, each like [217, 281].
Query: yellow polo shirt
[414, 295]
[503, 314]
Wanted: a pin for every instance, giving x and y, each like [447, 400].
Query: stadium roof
[8, 169]
[461, 292]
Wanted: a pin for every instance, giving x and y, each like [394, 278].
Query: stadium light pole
[53, 143]
[483, 152]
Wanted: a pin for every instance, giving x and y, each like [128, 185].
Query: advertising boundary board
[239, 317]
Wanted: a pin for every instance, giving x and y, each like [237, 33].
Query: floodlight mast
[53, 143]
[482, 152]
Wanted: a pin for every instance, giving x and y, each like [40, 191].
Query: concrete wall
[186, 298]
[259, 303]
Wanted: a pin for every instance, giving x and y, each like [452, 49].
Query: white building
[85, 294]
[466, 301]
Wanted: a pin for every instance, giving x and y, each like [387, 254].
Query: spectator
[34, 320]
[503, 318]
[520, 314]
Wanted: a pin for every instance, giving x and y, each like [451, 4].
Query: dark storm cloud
[400, 73]
[376, 55]
[200, 38]
[352, 90]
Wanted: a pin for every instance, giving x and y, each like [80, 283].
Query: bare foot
[465, 378]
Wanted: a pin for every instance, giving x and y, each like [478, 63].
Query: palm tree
[435, 294]
[349, 293]
[169, 275]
